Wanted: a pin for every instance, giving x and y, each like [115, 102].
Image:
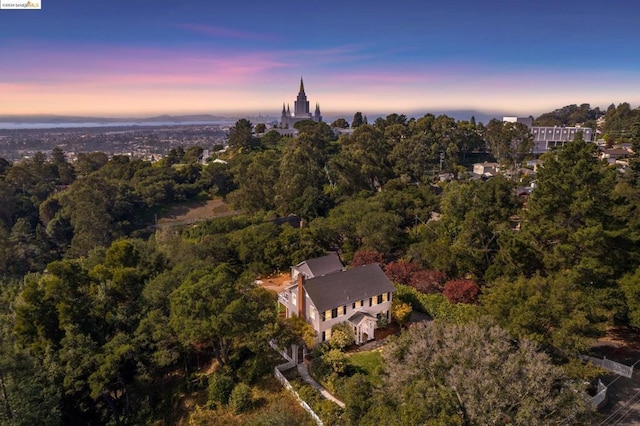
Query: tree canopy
[104, 315]
[473, 374]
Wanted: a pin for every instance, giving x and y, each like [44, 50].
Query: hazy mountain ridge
[53, 118]
[50, 118]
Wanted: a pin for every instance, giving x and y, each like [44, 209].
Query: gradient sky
[143, 57]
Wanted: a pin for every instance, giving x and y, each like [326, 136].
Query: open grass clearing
[370, 363]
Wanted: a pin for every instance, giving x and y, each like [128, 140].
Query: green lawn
[370, 362]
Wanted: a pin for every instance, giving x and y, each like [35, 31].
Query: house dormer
[318, 266]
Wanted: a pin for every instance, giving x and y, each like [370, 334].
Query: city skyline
[124, 59]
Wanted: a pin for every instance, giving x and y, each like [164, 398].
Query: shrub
[401, 311]
[307, 393]
[428, 281]
[341, 336]
[279, 412]
[382, 322]
[319, 368]
[436, 305]
[366, 257]
[254, 368]
[336, 360]
[241, 398]
[329, 412]
[461, 291]
[220, 387]
[356, 394]
[400, 272]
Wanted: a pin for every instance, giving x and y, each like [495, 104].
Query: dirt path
[276, 283]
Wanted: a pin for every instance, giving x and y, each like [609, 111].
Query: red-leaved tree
[366, 257]
[461, 291]
[400, 272]
[428, 281]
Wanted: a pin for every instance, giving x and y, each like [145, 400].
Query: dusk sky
[124, 58]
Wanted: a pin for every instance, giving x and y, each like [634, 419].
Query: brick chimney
[301, 297]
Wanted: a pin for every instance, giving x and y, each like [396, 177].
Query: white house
[324, 295]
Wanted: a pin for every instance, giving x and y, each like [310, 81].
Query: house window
[385, 297]
[334, 313]
[379, 299]
[294, 298]
[323, 317]
[371, 301]
[312, 313]
[324, 336]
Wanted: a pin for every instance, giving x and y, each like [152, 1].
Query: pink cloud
[137, 66]
[109, 79]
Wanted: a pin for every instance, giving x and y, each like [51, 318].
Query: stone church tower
[300, 110]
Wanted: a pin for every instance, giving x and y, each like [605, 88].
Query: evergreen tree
[357, 120]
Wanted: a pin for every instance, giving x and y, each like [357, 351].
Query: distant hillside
[617, 124]
[46, 118]
[570, 115]
[479, 116]
[184, 118]
[621, 124]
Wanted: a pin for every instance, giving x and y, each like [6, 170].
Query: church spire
[301, 85]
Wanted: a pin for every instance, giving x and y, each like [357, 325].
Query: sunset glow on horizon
[175, 59]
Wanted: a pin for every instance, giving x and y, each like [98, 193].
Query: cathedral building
[300, 111]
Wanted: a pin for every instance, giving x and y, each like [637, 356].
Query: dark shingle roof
[359, 317]
[345, 287]
[320, 265]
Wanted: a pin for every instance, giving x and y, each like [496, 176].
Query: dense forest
[108, 319]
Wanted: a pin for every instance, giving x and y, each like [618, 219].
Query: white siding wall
[330, 322]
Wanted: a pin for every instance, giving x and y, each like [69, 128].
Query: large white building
[546, 138]
[550, 137]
